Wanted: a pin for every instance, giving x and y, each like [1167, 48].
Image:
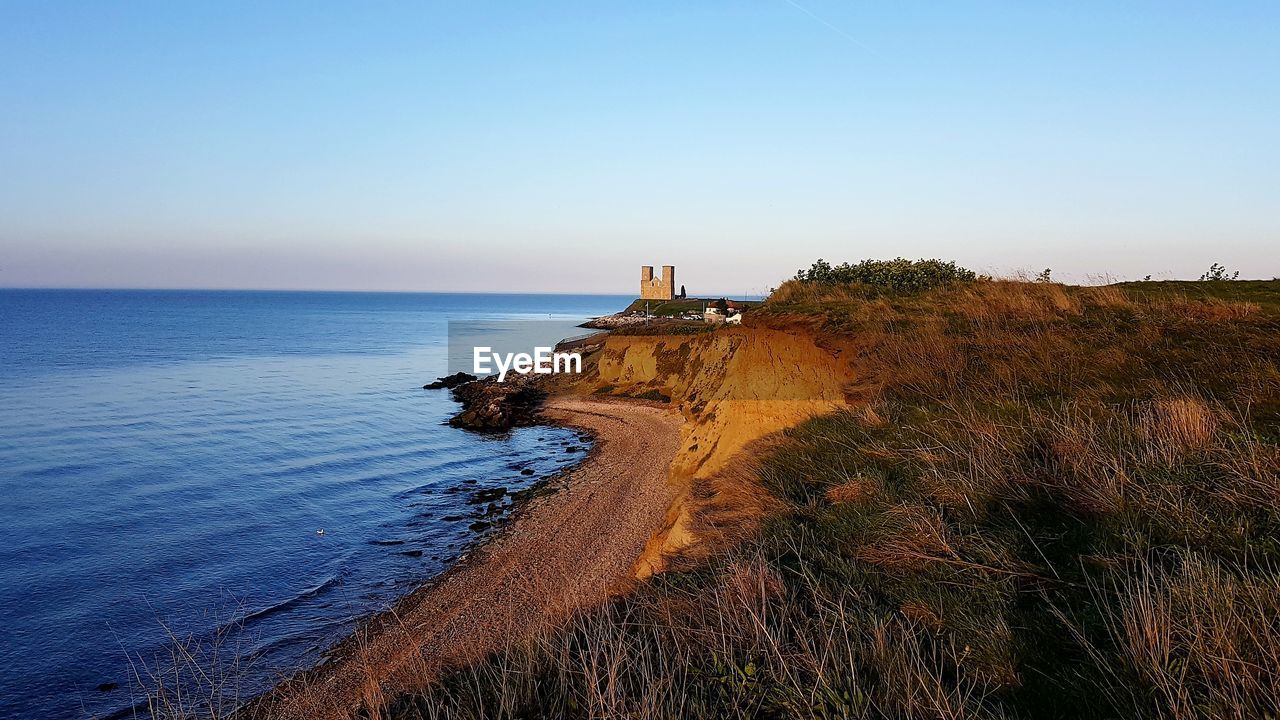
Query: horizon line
[88, 288]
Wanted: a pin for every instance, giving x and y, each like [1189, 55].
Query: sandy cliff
[733, 387]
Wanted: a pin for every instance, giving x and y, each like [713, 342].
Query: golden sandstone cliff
[733, 387]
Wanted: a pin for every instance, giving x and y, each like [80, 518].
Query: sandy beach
[565, 550]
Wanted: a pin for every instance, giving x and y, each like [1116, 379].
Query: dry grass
[747, 642]
[1203, 636]
[1065, 503]
[854, 490]
[196, 677]
[1176, 427]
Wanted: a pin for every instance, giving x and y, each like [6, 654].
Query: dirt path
[564, 551]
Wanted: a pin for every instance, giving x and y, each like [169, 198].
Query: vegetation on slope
[678, 307]
[1056, 502]
[897, 275]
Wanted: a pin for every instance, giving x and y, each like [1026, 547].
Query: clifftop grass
[1069, 496]
[1049, 502]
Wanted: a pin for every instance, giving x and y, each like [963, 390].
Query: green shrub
[1217, 273]
[899, 274]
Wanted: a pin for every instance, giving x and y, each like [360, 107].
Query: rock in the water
[484, 496]
[450, 381]
[491, 405]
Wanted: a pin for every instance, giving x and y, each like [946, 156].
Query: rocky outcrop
[491, 405]
[622, 320]
[450, 381]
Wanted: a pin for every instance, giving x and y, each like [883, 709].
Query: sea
[232, 472]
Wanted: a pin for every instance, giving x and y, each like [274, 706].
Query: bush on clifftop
[899, 274]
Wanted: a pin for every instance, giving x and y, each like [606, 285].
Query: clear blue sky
[557, 146]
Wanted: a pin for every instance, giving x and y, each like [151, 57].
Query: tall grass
[1058, 502]
[196, 676]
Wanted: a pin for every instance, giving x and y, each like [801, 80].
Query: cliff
[734, 387]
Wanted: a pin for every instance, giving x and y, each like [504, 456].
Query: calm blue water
[169, 455]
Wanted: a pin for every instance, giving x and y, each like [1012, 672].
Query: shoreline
[565, 549]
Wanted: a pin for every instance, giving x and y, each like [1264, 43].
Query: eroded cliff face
[733, 386]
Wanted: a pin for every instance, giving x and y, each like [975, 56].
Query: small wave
[59, 470]
[291, 602]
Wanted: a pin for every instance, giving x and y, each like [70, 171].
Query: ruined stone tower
[660, 288]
